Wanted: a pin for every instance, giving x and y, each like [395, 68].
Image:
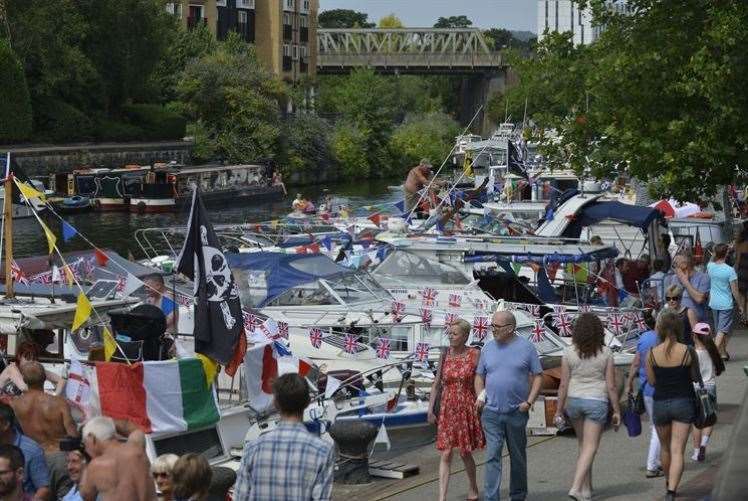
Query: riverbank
[618, 474]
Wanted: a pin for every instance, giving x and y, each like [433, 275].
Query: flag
[327, 242]
[455, 300]
[383, 348]
[56, 277]
[68, 231]
[467, 165]
[514, 162]
[132, 283]
[159, 397]
[51, 238]
[78, 387]
[698, 250]
[538, 330]
[427, 316]
[376, 219]
[218, 312]
[585, 308]
[563, 322]
[534, 310]
[376, 380]
[449, 319]
[110, 345]
[429, 296]
[29, 192]
[422, 352]
[641, 324]
[17, 273]
[101, 258]
[315, 337]
[283, 329]
[83, 310]
[69, 275]
[480, 328]
[615, 323]
[397, 310]
[250, 322]
[382, 437]
[400, 206]
[262, 364]
[349, 344]
[332, 386]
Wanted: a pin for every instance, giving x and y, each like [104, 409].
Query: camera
[69, 444]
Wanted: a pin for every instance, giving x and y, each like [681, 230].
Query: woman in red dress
[458, 425]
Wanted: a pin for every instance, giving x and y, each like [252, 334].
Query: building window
[304, 21]
[288, 5]
[287, 19]
[286, 50]
[304, 5]
[196, 16]
[295, 52]
[220, 3]
[304, 51]
[245, 4]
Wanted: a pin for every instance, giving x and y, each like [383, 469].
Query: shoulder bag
[706, 409]
[438, 392]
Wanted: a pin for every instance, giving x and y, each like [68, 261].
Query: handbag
[631, 418]
[436, 408]
[706, 407]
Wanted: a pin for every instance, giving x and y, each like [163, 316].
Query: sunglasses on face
[672, 298]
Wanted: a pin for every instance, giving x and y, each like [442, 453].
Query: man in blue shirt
[695, 286]
[36, 474]
[504, 399]
[647, 341]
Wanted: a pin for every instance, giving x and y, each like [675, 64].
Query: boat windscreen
[547, 345]
[355, 288]
[404, 265]
[319, 266]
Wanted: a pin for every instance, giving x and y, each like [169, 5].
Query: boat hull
[223, 198]
[152, 205]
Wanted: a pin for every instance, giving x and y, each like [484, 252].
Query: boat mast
[8, 234]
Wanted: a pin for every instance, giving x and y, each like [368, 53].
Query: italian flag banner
[159, 397]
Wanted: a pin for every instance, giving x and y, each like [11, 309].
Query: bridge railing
[383, 60]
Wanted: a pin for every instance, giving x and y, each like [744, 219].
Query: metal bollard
[353, 439]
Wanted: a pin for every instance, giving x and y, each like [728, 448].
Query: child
[711, 366]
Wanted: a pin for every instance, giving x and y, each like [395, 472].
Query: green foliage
[499, 39]
[307, 143]
[236, 100]
[453, 22]
[659, 96]
[15, 104]
[156, 122]
[114, 130]
[390, 21]
[431, 136]
[349, 146]
[202, 136]
[344, 18]
[58, 121]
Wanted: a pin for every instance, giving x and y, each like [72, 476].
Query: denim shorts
[674, 409]
[587, 408]
[722, 321]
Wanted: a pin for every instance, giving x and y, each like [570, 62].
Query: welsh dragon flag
[159, 397]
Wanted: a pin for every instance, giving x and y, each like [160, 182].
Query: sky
[508, 14]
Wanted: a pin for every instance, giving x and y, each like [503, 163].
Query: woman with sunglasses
[669, 369]
[161, 470]
[673, 302]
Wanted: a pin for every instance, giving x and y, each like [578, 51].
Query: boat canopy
[278, 279]
[567, 254]
[405, 267]
[594, 212]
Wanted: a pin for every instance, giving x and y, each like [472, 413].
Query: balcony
[287, 32]
[303, 34]
[245, 4]
[194, 22]
[287, 63]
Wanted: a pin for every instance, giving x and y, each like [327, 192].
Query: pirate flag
[219, 323]
[514, 162]
[376, 380]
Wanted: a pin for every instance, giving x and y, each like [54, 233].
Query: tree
[235, 101]
[307, 142]
[430, 135]
[349, 146]
[453, 22]
[15, 105]
[390, 21]
[344, 18]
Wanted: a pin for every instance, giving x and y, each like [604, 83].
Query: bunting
[83, 310]
[51, 238]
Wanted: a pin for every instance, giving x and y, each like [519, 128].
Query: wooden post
[8, 214]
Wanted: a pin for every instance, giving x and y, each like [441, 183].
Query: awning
[593, 213]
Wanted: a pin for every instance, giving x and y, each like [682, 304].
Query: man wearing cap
[418, 177]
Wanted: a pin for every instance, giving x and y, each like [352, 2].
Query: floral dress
[458, 425]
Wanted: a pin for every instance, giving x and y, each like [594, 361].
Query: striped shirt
[287, 463]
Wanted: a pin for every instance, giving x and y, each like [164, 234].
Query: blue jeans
[512, 428]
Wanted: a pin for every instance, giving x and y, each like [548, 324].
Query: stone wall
[43, 160]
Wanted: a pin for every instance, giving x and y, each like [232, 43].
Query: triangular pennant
[375, 218]
[382, 437]
[68, 231]
[327, 242]
[51, 238]
[83, 310]
[56, 277]
[29, 192]
[101, 258]
[376, 380]
[332, 386]
[132, 283]
[110, 345]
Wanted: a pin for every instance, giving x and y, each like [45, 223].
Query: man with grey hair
[695, 286]
[502, 383]
[118, 470]
[418, 178]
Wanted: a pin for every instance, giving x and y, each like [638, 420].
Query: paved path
[619, 467]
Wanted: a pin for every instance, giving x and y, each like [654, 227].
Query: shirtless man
[118, 470]
[418, 178]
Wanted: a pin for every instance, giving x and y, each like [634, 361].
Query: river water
[114, 230]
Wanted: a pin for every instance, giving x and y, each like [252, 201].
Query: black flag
[514, 162]
[218, 312]
[376, 380]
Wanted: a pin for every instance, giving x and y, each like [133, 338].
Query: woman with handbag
[711, 366]
[669, 371]
[452, 408]
[588, 380]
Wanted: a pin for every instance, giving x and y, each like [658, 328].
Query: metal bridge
[406, 50]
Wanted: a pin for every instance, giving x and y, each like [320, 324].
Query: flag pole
[8, 232]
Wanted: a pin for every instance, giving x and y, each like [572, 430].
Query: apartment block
[559, 16]
[284, 31]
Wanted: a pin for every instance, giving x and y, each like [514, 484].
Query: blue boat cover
[594, 212]
[607, 252]
[282, 272]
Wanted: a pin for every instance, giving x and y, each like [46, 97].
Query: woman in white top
[587, 387]
[711, 366]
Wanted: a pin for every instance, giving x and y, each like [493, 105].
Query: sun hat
[702, 328]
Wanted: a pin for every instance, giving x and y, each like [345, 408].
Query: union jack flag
[585, 308]
[17, 273]
[250, 321]
[398, 310]
[349, 345]
[538, 330]
[534, 310]
[266, 328]
[449, 319]
[641, 324]
[455, 300]
[615, 323]
[283, 329]
[559, 308]
[563, 322]
[429, 296]
[121, 282]
[42, 278]
[315, 336]
[89, 265]
[383, 348]
[184, 300]
[422, 352]
[480, 327]
[510, 306]
[629, 319]
[427, 315]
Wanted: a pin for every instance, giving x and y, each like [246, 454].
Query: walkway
[619, 468]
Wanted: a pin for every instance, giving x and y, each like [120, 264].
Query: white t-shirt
[587, 375]
[707, 368]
